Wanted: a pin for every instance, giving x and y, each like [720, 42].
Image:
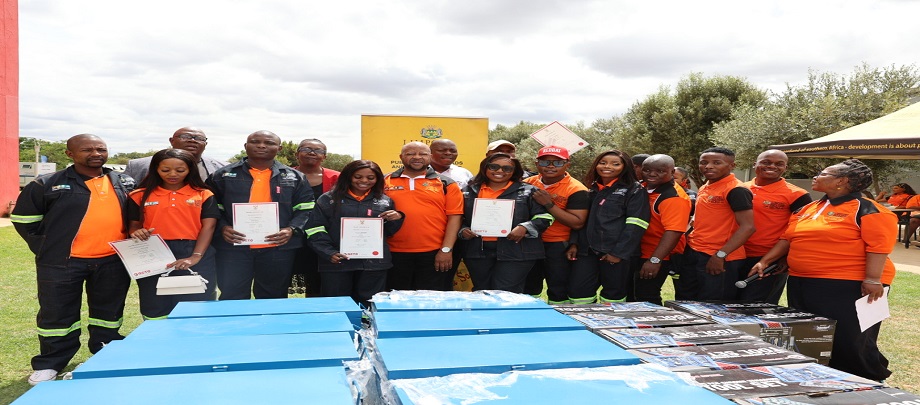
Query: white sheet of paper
[256, 221]
[144, 258]
[492, 217]
[362, 238]
[871, 314]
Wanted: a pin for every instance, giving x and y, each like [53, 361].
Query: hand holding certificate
[255, 222]
[492, 217]
[362, 238]
[144, 258]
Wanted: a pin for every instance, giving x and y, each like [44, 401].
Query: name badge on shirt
[60, 187]
[149, 203]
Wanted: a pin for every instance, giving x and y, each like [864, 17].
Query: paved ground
[904, 259]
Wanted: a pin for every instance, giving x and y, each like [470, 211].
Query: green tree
[122, 158]
[681, 123]
[55, 151]
[826, 104]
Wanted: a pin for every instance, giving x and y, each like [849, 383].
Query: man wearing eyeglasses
[566, 199]
[190, 139]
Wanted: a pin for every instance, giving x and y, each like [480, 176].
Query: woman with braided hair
[837, 251]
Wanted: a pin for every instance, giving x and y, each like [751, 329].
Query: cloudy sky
[133, 72]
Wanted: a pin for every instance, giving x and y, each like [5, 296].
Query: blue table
[433, 356]
[243, 325]
[445, 323]
[321, 385]
[204, 309]
[218, 354]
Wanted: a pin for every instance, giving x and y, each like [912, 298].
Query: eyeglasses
[190, 137]
[828, 174]
[496, 167]
[548, 163]
[308, 150]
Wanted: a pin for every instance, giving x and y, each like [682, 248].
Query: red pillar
[9, 104]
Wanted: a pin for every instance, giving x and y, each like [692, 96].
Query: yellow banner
[383, 136]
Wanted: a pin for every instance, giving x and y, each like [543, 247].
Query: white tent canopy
[893, 136]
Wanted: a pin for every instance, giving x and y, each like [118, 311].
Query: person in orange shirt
[900, 193]
[723, 221]
[423, 248]
[174, 203]
[311, 153]
[68, 219]
[566, 199]
[837, 250]
[670, 213]
[914, 221]
[775, 199]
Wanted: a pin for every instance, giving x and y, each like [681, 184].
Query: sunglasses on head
[496, 167]
[548, 163]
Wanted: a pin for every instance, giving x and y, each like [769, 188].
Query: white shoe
[42, 376]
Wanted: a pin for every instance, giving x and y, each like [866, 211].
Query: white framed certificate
[492, 217]
[556, 134]
[144, 258]
[362, 238]
[256, 221]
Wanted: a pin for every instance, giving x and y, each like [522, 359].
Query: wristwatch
[446, 249]
[654, 260]
[721, 254]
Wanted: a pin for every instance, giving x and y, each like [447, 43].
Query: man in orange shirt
[670, 213]
[263, 269]
[68, 219]
[423, 248]
[775, 200]
[716, 243]
[566, 199]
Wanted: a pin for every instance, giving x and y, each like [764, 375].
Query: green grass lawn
[900, 339]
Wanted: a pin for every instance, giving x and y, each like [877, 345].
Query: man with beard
[423, 249]
[186, 138]
[68, 219]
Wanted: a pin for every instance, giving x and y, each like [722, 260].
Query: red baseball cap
[556, 151]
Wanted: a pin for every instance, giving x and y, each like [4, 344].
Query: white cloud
[134, 72]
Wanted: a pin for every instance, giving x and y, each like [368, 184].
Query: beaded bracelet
[873, 282]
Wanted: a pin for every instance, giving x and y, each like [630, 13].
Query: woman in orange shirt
[837, 251]
[900, 193]
[174, 202]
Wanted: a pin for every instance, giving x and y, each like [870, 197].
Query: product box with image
[774, 381]
[720, 357]
[788, 328]
[676, 336]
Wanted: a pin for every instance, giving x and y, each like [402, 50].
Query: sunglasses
[308, 150]
[548, 163]
[496, 167]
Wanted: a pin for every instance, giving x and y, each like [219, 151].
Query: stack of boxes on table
[750, 353]
[423, 347]
[498, 347]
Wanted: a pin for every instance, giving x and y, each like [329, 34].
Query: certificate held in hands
[144, 258]
[362, 238]
[256, 221]
[492, 217]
